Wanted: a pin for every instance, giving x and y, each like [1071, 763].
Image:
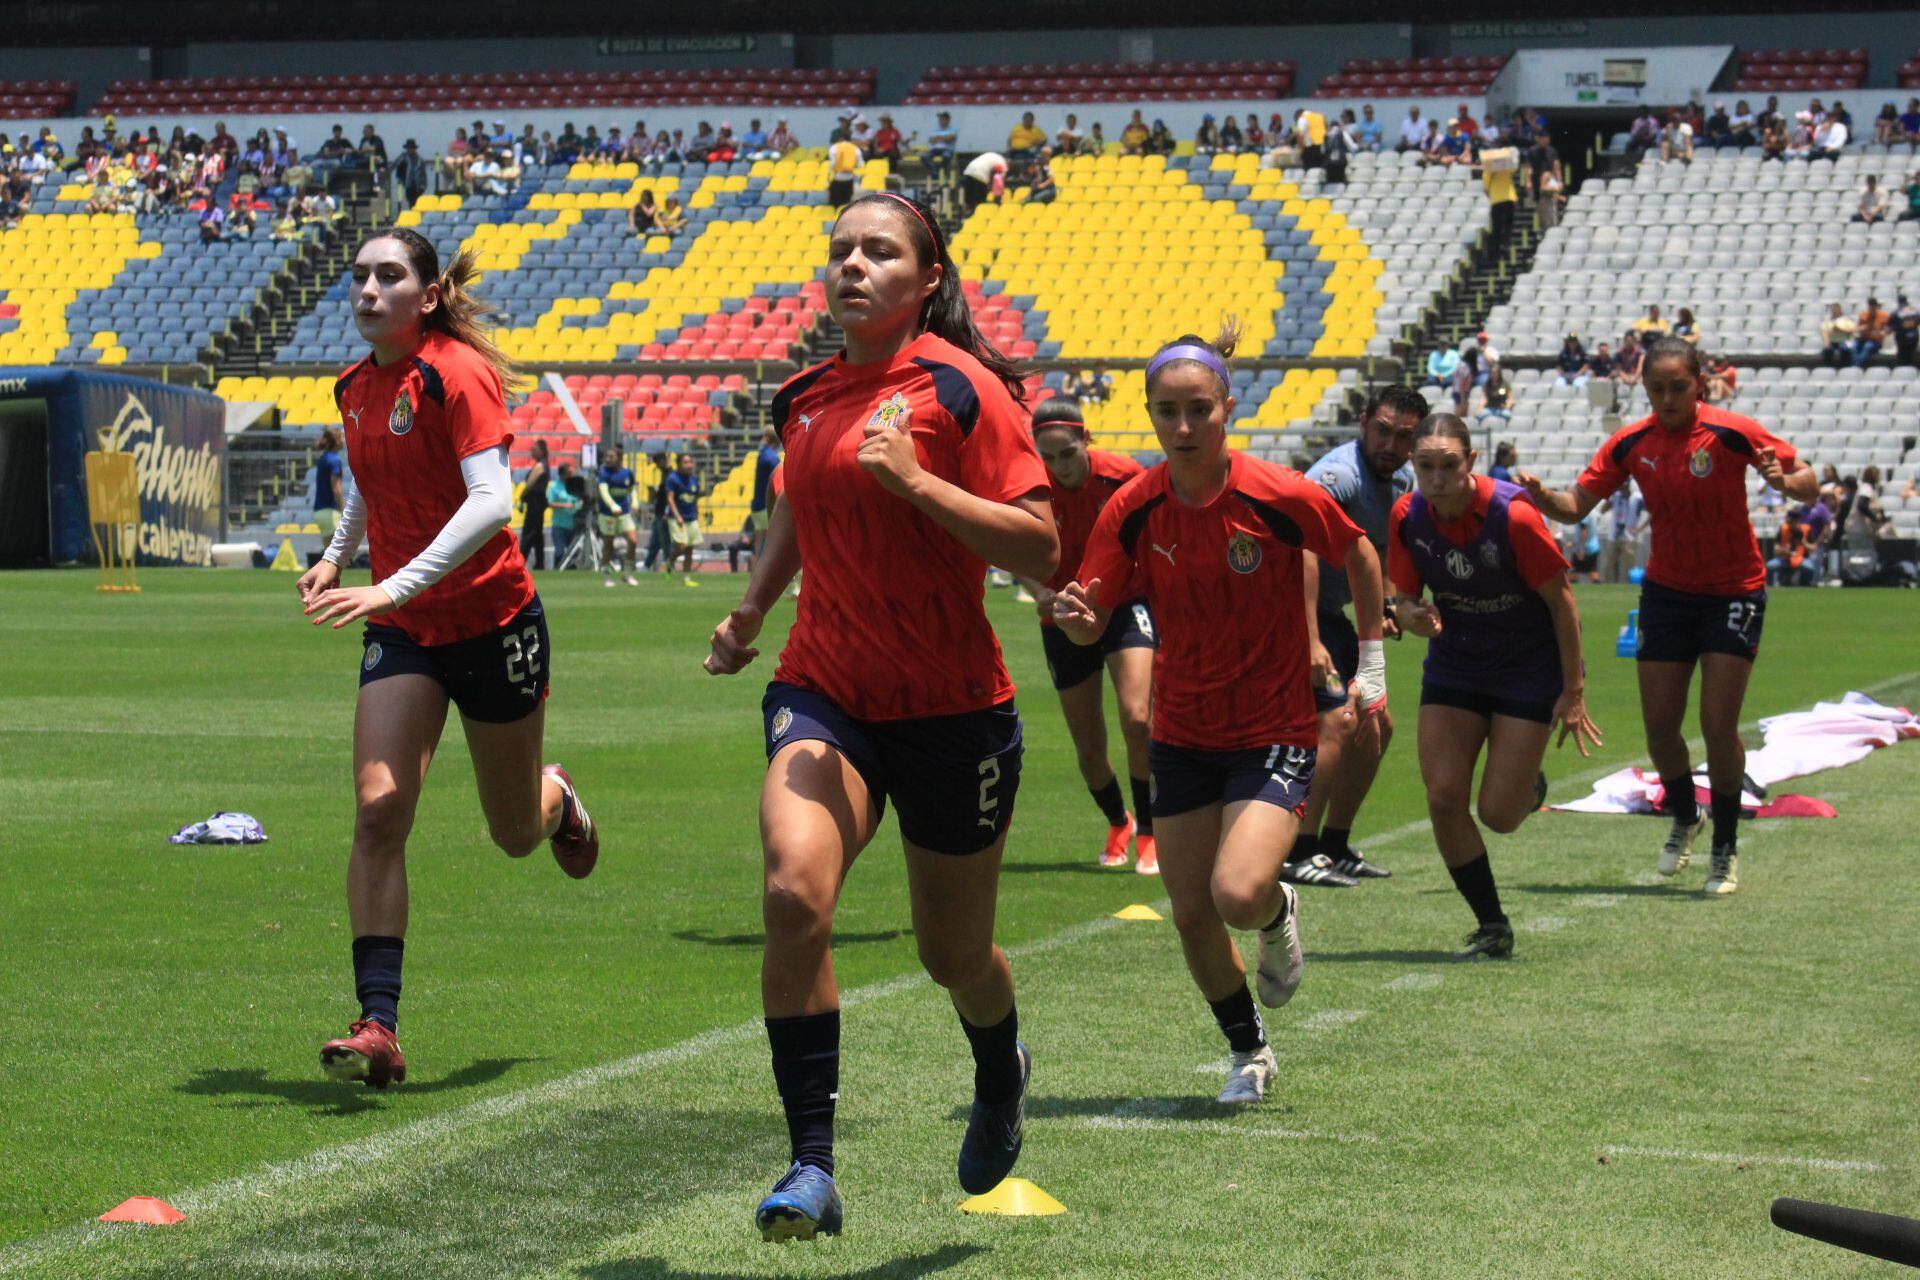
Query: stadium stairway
[1486, 281]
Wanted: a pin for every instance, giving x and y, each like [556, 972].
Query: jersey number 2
[523, 648]
[989, 803]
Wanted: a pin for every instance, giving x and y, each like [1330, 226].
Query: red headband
[908, 205]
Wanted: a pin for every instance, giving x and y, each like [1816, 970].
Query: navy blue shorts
[1130, 627]
[496, 678]
[1343, 646]
[1185, 778]
[1486, 705]
[953, 778]
[1679, 626]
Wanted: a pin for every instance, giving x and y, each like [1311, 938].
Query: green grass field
[589, 1096]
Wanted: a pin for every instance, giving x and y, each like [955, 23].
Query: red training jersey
[1535, 554]
[1224, 582]
[1075, 510]
[892, 624]
[1695, 486]
[408, 425]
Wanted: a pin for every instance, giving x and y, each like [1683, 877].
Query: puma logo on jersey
[1167, 551]
[1652, 464]
[355, 415]
[1424, 545]
[806, 421]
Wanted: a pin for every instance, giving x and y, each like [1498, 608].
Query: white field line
[1721, 1157]
[1131, 1123]
[1332, 1019]
[328, 1162]
[1543, 924]
[1414, 982]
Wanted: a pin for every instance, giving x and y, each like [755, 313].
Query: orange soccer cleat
[1147, 856]
[1115, 854]
[369, 1053]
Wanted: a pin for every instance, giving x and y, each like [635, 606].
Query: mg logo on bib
[400, 421]
[1458, 565]
[1243, 553]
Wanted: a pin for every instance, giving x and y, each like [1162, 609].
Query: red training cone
[145, 1210]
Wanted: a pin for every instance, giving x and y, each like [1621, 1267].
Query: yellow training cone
[1137, 912]
[284, 559]
[1015, 1198]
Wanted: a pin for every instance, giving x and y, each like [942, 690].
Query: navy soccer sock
[1239, 1020]
[1108, 798]
[376, 978]
[996, 1062]
[806, 1070]
[1142, 805]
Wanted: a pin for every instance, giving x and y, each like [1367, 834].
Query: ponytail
[946, 314]
[462, 313]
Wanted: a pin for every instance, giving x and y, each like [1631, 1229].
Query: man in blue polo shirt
[614, 509]
[760, 510]
[1366, 477]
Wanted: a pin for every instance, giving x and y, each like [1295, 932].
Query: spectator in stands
[1550, 199]
[1572, 362]
[1502, 200]
[1886, 125]
[1685, 326]
[1906, 332]
[1829, 140]
[941, 142]
[1869, 333]
[1366, 131]
[590, 146]
[158, 193]
[1719, 128]
[643, 216]
[887, 141]
[1909, 130]
[371, 149]
[532, 500]
[1643, 136]
[1627, 361]
[858, 129]
[335, 152]
[1085, 387]
[725, 147]
[673, 219]
[1433, 148]
[1040, 184]
[1506, 459]
[1206, 139]
[1723, 382]
[1335, 148]
[1839, 112]
[1413, 132]
[753, 143]
[1651, 325]
[454, 160]
[1773, 140]
[1676, 140]
[1497, 402]
[565, 505]
[566, 147]
[1465, 375]
[1133, 138]
[1456, 147]
[1441, 363]
[12, 207]
[1232, 141]
[1160, 139]
[658, 152]
[213, 222]
[1836, 337]
[1310, 135]
[1066, 142]
[1468, 125]
[983, 178]
[483, 175]
[1742, 131]
[1096, 141]
[241, 222]
[1024, 140]
[1254, 138]
[411, 172]
[1873, 203]
[843, 168]
[1788, 563]
[781, 141]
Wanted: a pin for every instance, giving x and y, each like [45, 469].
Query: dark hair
[1676, 348]
[462, 313]
[1396, 398]
[539, 449]
[1059, 411]
[1446, 425]
[945, 314]
[1503, 452]
[1223, 345]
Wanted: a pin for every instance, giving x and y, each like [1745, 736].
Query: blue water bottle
[1628, 645]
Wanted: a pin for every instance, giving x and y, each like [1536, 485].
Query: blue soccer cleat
[994, 1135]
[802, 1203]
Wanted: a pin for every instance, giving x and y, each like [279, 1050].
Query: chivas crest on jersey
[1243, 553]
[892, 414]
[400, 421]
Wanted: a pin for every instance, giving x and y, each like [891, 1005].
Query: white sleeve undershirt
[351, 529]
[486, 511]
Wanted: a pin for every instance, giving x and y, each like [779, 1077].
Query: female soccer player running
[1214, 540]
[909, 469]
[1081, 482]
[1704, 598]
[1503, 659]
[426, 426]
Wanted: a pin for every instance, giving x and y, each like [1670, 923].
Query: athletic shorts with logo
[1185, 779]
[1679, 626]
[953, 778]
[1070, 664]
[495, 678]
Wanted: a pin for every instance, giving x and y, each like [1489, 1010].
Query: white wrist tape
[1372, 675]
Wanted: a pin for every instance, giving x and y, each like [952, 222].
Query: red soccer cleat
[369, 1053]
[576, 845]
[1115, 854]
[1149, 856]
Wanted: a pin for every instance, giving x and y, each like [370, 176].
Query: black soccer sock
[1726, 818]
[1108, 798]
[806, 1070]
[376, 978]
[1305, 845]
[996, 1062]
[1142, 805]
[1333, 841]
[1475, 883]
[1239, 1020]
[1680, 799]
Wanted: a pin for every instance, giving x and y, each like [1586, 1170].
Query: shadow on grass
[1189, 1106]
[907, 1268]
[709, 939]
[251, 1087]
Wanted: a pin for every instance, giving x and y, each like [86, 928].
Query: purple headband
[1187, 351]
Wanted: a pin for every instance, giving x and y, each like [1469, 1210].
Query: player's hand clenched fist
[732, 641]
[888, 455]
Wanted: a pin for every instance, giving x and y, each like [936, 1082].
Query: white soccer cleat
[1724, 877]
[1677, 852]
[1278, 974]
[1247, 1075]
